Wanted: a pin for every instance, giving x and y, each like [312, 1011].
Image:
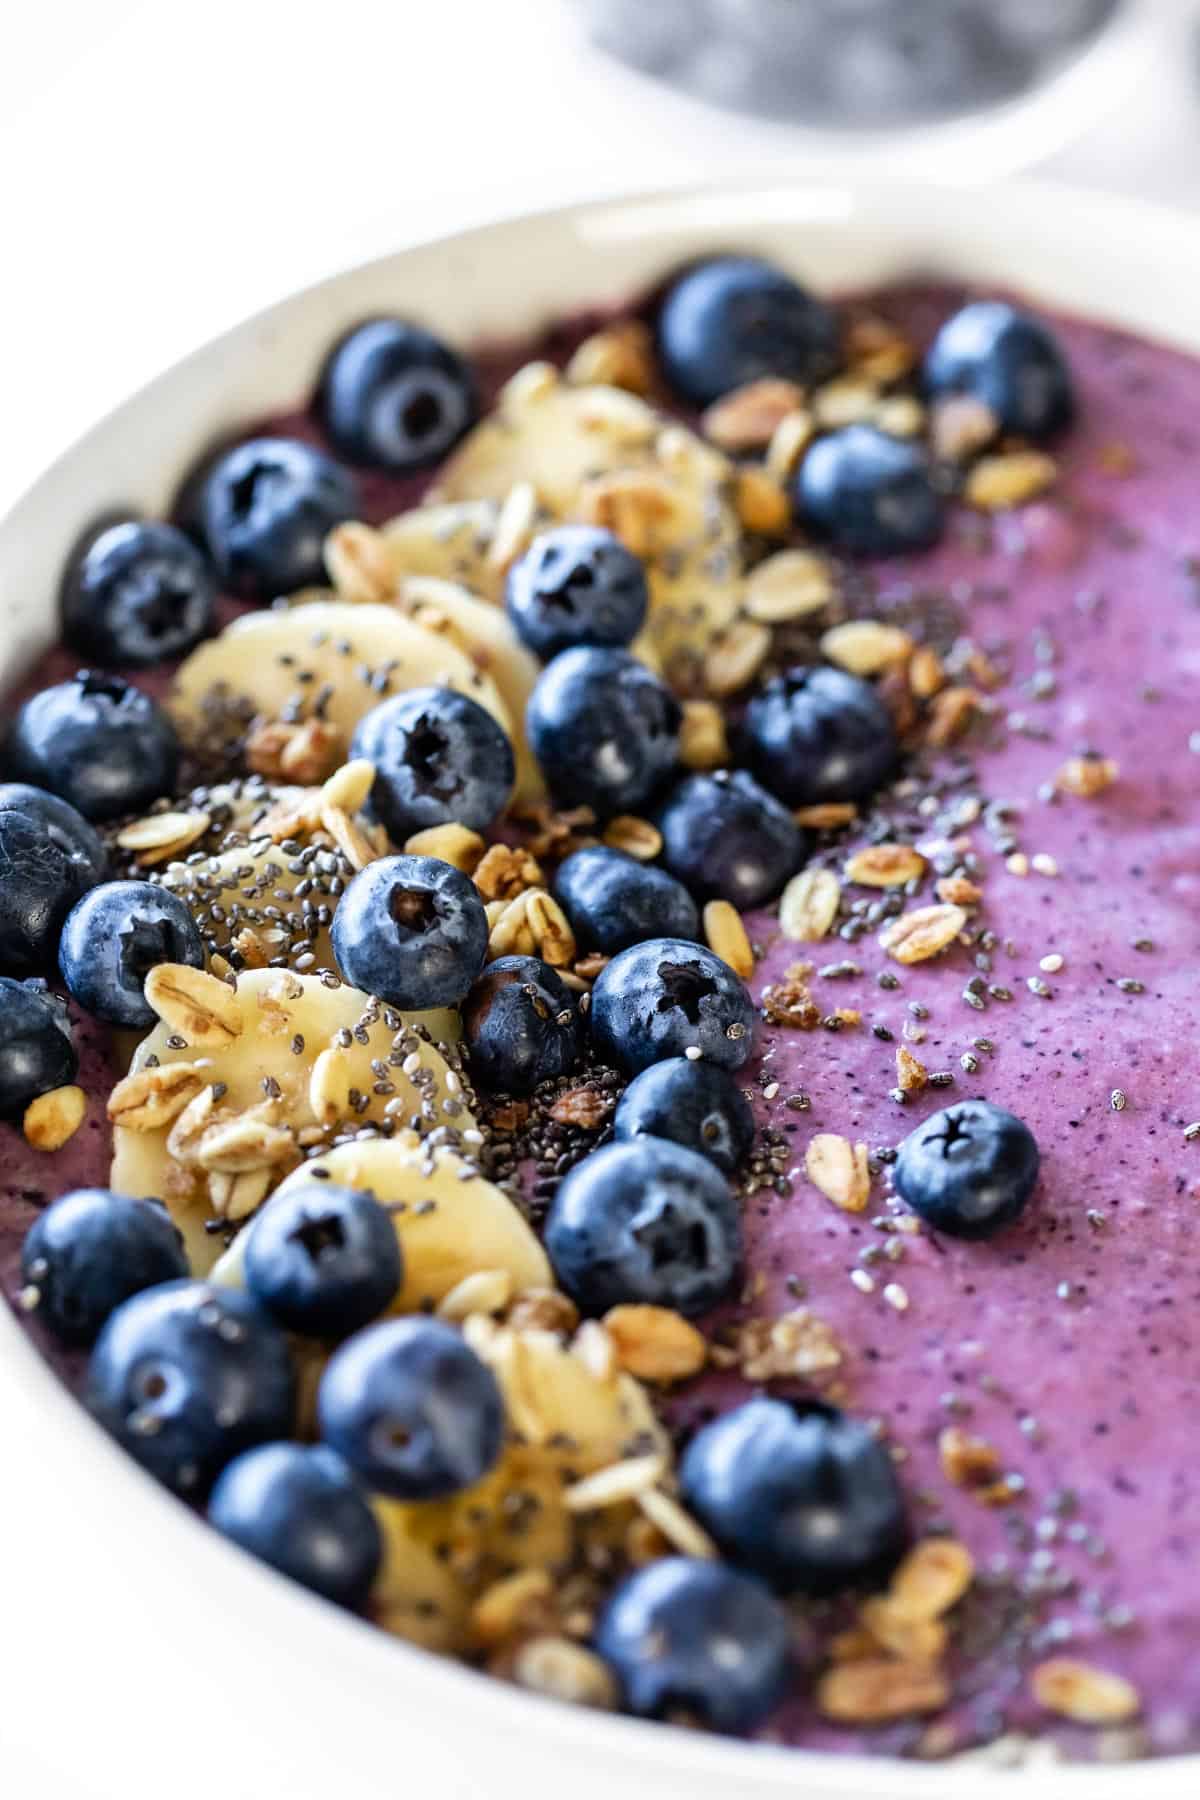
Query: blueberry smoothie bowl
[597, 975]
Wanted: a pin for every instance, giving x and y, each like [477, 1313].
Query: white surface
[145, 1657]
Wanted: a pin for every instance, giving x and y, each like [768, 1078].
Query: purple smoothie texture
[1067, 1342]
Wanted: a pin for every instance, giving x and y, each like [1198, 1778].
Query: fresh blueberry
[266, 509]
[42, 881]
[613, 901]
[665, 997]
[66, 827]
[36, 1052]
[323, 1259]
[135, 594]
[969, 1169]
[298, 1508]
[112, 939]
[576, 585]
[736, 319]
[97, 742]
[440, 759]
[186, 1376]
[645, 1222]
[412, 930]
[805, 1497]
[692, 1641]
[727, 838]
[692, 1103]
[395, 397]
[521, 1025]
[604, 729]
[820, 734]
[1008, 361]
[868, 493]
[412, 1409]
[89, 1252]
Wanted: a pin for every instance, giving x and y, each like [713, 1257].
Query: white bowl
[146, 1656]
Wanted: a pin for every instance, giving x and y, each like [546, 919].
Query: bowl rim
[630, 1744]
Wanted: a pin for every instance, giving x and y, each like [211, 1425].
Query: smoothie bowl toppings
[596, 1010]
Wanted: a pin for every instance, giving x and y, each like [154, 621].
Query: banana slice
[450, 1221]
[210, 1121]
[449, 542]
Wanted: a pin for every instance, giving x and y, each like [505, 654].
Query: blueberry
[266, 509]
[726, 838]
[820, 734]
[1009, 361]
[323, 1259]
[969, 1169]
[412, 1409]
[604, 729]
[185, 1376]
[42, 881]
[868, 493]
[736, 319]
[692, 1641]
[613, 901]
[135, 594]
[92, 1250]
[66, 827]
[644, 1222]
[396, 397]
[112, 939]
[97, 742]
[412, 930]
[576, 585]
[440, 759]
[36, 1052]
[692, 1103]
[521, 1025]
[298, 1508]
[667, 996]
[805, 1497]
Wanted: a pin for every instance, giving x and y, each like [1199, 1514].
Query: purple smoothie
[1067, 1342]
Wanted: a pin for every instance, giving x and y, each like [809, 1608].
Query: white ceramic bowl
[144, 1656]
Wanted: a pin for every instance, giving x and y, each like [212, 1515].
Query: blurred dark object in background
[851, 64]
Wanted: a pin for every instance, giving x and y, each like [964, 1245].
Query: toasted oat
[163, 836]
[1086, 776]
[349, 836]
[637, 505]
[235, 1197]
[846, 400]
[912, 1640]
[244, 1145]
[900, 415]
[702, 740]
[866, 646]
[911, 1073]
[1080, 1691]
[148, 1099]
[613, 1485]
[189, 1127]
[761, 503]
[349, 786]
[789, 585]
[512, 1606]
[656, 1344]
[925, 672]
[621, 356]
[53, 1118]
[748, 417]
[797, 1345]
[1009, 479]
[587, 1107]
[956, 890]
[553, 939]
[482, 1291]
[880, 1690]
[562, 1670]
[676, 1525]
[877, 350]
[925, 932]
[543, 1309]
[200, 1008]
[839, 1169]
[504, 872]
[358, 563]
[532, 383]
[619, 416]
[950, 713]
[826, 815]
[589, 966]
[636, 837]
[329, 1087]
[808, 905]
[961, 426]
[515, 526]
[735, 656]
[455, 844]
[790, 440]
[726, 936]
[595, 1348]
[885, 865]
[932, 1579]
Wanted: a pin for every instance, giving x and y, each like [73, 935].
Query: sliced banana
[450, 542]
[450, 1221]
[222, 1135]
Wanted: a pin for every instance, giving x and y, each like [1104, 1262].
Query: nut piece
[808, 905]
[1083, 776]
[149, 1099]
[586, 1107]
[202, 1009]
[1081, 1692]
[556, 1667]
[162, 836]
[885, 866]
[926, 931]
[702, 740]
[620, 356]
[726, 935]
[637, 505]
[925, 672]
[950, 713]
[880, 1690]
[956, 890]
[543, 1309]
[997, 483]
[788, 585]
[656, 1344]
[797, 1346]
[969, 1462]
[865, 646]
[636, 837]
[932, 1579]
[53, 1118]
[762, 505]
[748, 417]
[503, 872]
[455, 844]
[839, 1169]
[735, 656]
[826, 815]
[302, 753]
[911, 1073]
